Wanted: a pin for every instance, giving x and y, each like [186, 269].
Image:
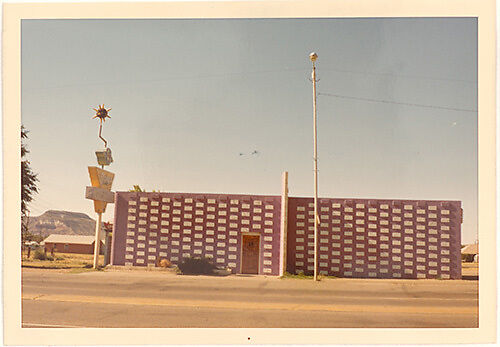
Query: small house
[470, 252]
[82, 244]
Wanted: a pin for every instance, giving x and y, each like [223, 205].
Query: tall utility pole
[313, 56]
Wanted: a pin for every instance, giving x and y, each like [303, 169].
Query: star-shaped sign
[101, 113]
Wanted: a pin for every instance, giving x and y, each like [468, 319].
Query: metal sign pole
[101, 180]
[97, 246]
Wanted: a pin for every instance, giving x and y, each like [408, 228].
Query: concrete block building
[376, 238]
[268, 235]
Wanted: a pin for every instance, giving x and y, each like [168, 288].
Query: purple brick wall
[376, 238]
[151, 226]
[356, 237]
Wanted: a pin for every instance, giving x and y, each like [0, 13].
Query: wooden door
[250, 254]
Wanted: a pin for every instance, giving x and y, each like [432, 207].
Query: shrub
[196, 266]
[40, 255]
[468, 258]
[164, 263]
[51, 258]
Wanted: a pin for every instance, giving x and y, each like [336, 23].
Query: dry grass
[470, 269]
[470, 265]
[61, 261]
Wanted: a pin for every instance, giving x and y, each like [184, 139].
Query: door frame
[241, 250]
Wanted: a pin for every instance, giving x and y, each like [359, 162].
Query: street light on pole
[313, 56]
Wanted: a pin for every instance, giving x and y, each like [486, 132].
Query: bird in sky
[255, 152]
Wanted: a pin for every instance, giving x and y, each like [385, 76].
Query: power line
[41, 201]
[240, 73]
[36, 207]
[33, 210]
[391, 74]
[396, 102]
[171, 78]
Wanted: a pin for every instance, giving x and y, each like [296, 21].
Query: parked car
[32, 244]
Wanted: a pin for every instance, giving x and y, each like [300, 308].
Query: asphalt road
[156, 299]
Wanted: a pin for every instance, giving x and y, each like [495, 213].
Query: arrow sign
[101, 181]
[101, 178]
[99, 194]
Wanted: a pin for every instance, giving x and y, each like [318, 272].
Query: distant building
[470, 252]
[82, 244]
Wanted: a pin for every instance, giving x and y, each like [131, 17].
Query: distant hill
[62, 222]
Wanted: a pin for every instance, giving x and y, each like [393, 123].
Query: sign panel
[100, 206]
[104, 157]
[101, 181]
[99, 194]
[101, 178]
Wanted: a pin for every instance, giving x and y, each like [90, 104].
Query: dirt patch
[470, 271]
[61, 261]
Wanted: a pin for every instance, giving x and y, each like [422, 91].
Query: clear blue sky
[188, 96]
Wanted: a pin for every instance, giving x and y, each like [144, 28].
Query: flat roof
[77, 239]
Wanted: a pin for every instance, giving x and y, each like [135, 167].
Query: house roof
[470, 249]
[75, 239]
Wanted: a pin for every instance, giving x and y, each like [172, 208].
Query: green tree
[28, 181]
